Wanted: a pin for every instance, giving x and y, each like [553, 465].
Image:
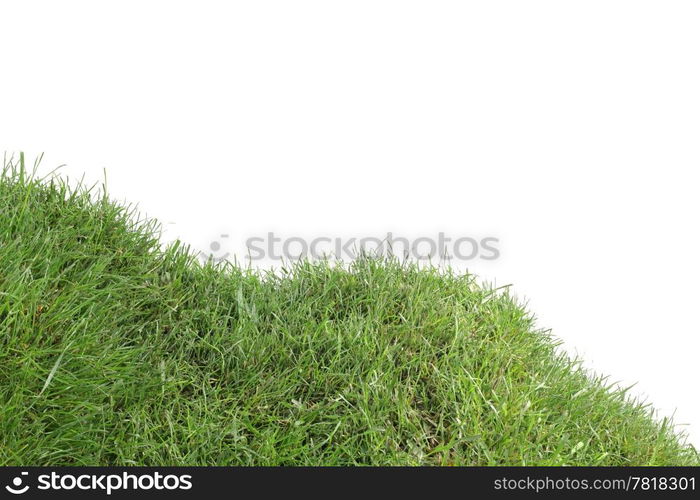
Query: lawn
[117, 350]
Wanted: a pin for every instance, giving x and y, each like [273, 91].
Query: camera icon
[16, 488]
[216, 253]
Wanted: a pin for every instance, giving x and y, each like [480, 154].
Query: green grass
[114, 350]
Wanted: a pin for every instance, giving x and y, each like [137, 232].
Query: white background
[569, 129]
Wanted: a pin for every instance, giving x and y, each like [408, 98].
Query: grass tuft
[117, 351]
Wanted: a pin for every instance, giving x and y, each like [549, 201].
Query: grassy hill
[114, 350]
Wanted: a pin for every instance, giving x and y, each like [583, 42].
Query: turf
[116, 350]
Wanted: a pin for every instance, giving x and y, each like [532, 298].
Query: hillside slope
[115, 351]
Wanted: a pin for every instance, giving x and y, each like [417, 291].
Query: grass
[117, 351]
